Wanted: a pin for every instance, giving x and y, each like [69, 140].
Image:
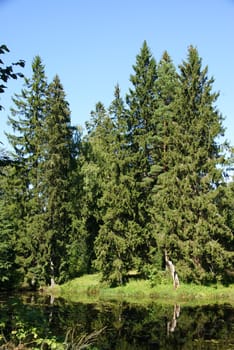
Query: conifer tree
[141, 102]
[27, 122]
[96, 171]
[186, 213]
[162, 141]
[56, 184]
[114, 246]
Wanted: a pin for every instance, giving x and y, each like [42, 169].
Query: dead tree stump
[171, 267]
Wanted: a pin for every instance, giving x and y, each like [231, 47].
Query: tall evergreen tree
[125, 238]
[186, 213]
[163, 144]
[113, 246]
[96, 171]
[27, 121]
[56, 184]
[141, 101]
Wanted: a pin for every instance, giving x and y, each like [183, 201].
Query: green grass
[89, 289]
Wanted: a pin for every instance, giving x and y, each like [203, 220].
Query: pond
[34, 321]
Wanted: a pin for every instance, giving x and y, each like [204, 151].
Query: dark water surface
[114, 325]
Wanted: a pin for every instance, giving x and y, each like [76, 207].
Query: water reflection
[114, 325]
[171, 325]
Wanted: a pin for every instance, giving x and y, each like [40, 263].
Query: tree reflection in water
[115, 325]
[171, 325]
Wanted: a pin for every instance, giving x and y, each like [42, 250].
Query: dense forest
[148, 176]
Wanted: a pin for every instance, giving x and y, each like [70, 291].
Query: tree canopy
[146, 179]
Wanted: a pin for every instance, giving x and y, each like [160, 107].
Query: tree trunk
[171, 267]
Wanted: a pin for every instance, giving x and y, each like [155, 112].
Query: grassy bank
[89, 289]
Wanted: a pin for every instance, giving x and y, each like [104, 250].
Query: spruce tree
[140, 138]
[113, 245]
[56, 167]
[27, 119]
[187, 217]
[96, 171]
[162, 141]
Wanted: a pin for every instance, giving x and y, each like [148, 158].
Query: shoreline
[88, 289]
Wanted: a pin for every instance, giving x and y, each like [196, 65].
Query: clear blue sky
[92, 45]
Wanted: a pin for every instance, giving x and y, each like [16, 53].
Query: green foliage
[27, 119]
[46, 158]
[148, 176]
[9, 220]
[185, 211]
[24, 337]
[139, 290]
[7, 71]
[56, 168]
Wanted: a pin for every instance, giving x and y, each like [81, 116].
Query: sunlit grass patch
[89, 288]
